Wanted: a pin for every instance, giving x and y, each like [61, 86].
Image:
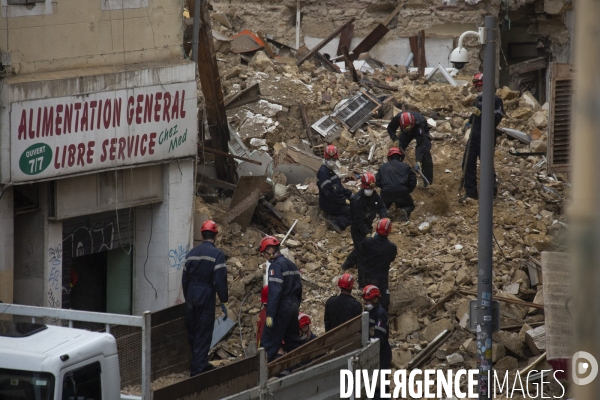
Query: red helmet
[209, 225]
[267, 241]
[384, 227]
[264, 294]
[478, 79]
[407, 121]
[395, 150]
[370, 292]
[303, 320]
[331, 152]
[346, 281]
[368, 180]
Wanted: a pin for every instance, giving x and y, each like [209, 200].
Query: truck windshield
[26, 385]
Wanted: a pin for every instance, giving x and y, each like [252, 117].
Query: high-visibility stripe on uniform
[200, 258]
[286, 273]
[272, 279]
[220, 266]
[325, 183]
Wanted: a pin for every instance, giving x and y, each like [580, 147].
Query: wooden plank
[307, 124]
[379, 85]
[168, 314]
[371, 40]
[216, 384]
[528, 66]
[349, 64]
[222, 153]
[277, 367]
[331, 66]
[428, 351]
[421, 51]
[390, 17]
[324, 42]
[440, 303]
[267, 48]
[505, 299]
[216, 182]
[244, 200]
[414, 48]
[331, 355]
[345, 38]
[182, 366]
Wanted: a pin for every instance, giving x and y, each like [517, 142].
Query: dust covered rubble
[528, 213]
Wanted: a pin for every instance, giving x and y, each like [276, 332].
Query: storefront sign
[71, 135]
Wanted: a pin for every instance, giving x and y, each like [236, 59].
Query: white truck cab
[46, 362]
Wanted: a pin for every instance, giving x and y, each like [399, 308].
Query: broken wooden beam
[390, 17]
[505, 299]
[379, 85]
[307, 124]
[267, 48]
[345, 38]
[324, 42]
[375, 35]
[430, 350]
[349, 64]
[246, 96]
[421, 57]
[222, 153]
[440, 302]
[216, 182]
[328, 64]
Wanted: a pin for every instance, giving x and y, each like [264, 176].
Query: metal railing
[143, 322]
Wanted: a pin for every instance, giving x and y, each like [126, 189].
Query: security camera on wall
[459, 57]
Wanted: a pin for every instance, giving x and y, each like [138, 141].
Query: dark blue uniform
[340, 309]
[472, 151]
[378, 329]
[333, 196]
[204, 274]
[285, 295]
[378, 253]
[363, 210]
[420, 133]
[397, 181]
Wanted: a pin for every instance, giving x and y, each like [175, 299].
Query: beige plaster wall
[78, 33]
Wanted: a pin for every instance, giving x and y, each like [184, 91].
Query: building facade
[98, 137]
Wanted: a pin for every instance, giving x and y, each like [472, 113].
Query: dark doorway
[88, 277]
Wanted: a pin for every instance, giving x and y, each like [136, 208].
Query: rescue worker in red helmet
[379, 253]
[204, 275]
[334, 198]
[397, 181]
[285, 295]
[364, 205]
[305, 334]
[378, 327]
[473, 147]
[343, 307]
[414, 126]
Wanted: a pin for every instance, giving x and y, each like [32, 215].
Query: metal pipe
[196, 31]
[465, 34]
[146, 353]
[298, 16]
[409, 60]
[584, 217]
[486, 198]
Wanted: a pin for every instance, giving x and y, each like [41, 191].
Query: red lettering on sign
[182, 111]
[106, 114]
[148, 108]
[48, 125]
[142, 145]
[166, 107]
[68, 118]
[58, 120]
[23, 126]
[152, 143]
[77, 108]
[31, 131]
[113, 149]
[93, 105]
[84, 117]
[71, 159]
[90, 151]
[99, 115]
[130, 103]
[122, 143]
[80, 154]
[39, 119]
[138, 109]
[157, 99]
[104, 155]
[56, 154]
[117, 113]
[175, 109]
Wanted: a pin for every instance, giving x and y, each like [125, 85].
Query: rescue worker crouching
[344, 307]
[305, 334]
[378, 252]
[334, 198]
[397, 181]
[204, 274]
[285, 295]
[413, 126]
[364, 205]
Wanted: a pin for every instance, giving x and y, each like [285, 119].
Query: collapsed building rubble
[434, 275]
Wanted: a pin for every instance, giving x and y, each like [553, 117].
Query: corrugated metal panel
[559, 117]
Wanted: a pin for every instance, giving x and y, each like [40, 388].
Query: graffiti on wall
[177, 256]
[86, 239]
[55, 276]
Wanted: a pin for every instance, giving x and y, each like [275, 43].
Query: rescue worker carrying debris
[284, 295]
[414, 126]
[397, 181]
[473, 148]
[305, 334]
[344, 307]
[204, 273]
[363, 206]
[334, 198]
[378, 253]
[378, 324]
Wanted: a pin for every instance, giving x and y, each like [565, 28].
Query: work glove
[417, 166]
[224, 309]
[396, 143]
[269, 322]
[347, 202]
[476, 111]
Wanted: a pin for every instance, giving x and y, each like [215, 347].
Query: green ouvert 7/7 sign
[35, 159]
